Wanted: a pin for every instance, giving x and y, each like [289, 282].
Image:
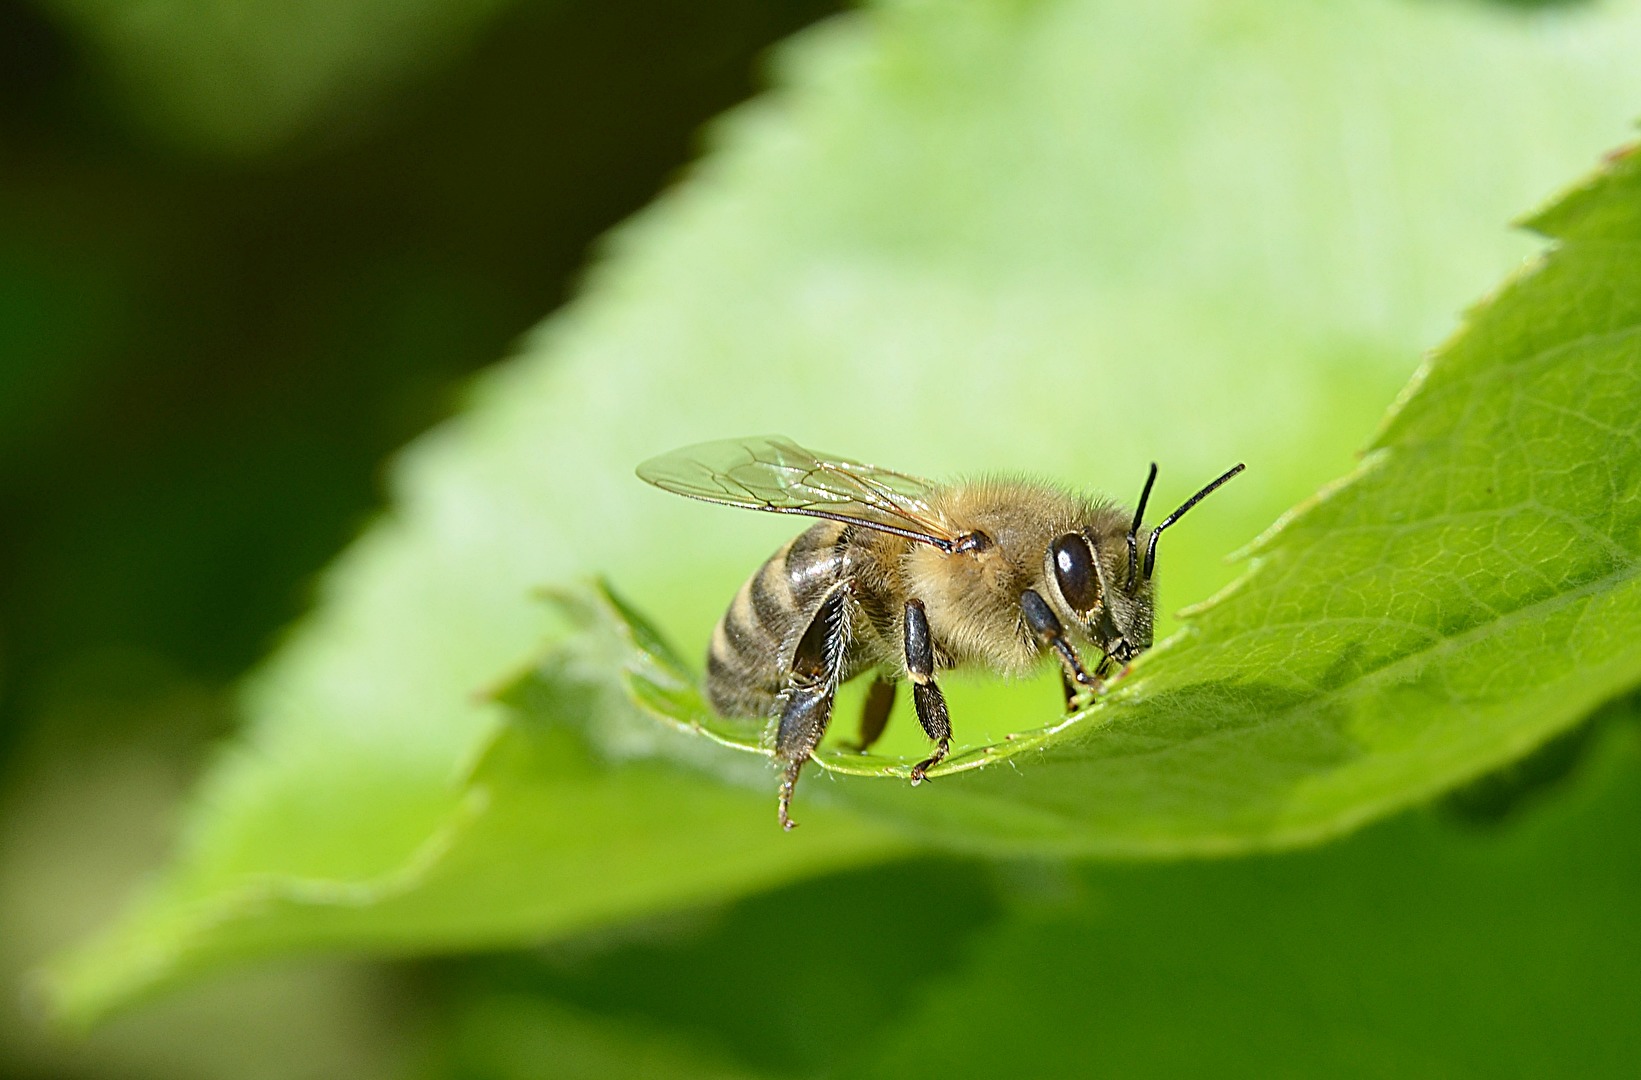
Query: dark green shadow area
[1501, 797]
[779, 982]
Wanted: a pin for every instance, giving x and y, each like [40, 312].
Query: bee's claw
[789, 782]
[920, 771]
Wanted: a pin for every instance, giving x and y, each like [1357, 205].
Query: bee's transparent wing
[773, 473]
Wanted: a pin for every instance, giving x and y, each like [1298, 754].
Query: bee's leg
[806, 706]
[1046, 628]
[874, 715]
[926, 695]
[1070, 690]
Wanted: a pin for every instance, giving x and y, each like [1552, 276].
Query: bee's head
[1102, 576]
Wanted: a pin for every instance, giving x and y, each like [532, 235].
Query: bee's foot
[789, 782]
[920, 771]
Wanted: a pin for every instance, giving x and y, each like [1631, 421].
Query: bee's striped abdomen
[750, 653]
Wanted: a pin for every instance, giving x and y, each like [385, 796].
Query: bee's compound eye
[1074, 571]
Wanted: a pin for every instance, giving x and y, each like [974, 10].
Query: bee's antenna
[1151, 546]
[1134, 529]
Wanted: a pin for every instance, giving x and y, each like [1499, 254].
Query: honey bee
[906, 578]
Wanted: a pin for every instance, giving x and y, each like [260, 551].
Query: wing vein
[775, 474]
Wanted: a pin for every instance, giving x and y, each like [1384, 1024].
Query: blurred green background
[247, 250]
[210, 337]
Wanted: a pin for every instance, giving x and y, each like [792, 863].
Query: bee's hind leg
[789, 783]
[806, 705]
[926, 695]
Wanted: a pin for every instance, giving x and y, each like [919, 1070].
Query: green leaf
[1064, 237]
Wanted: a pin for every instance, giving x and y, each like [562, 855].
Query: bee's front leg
[806, 704]
[1046, 628]
[1069, 689]
[926, 695]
